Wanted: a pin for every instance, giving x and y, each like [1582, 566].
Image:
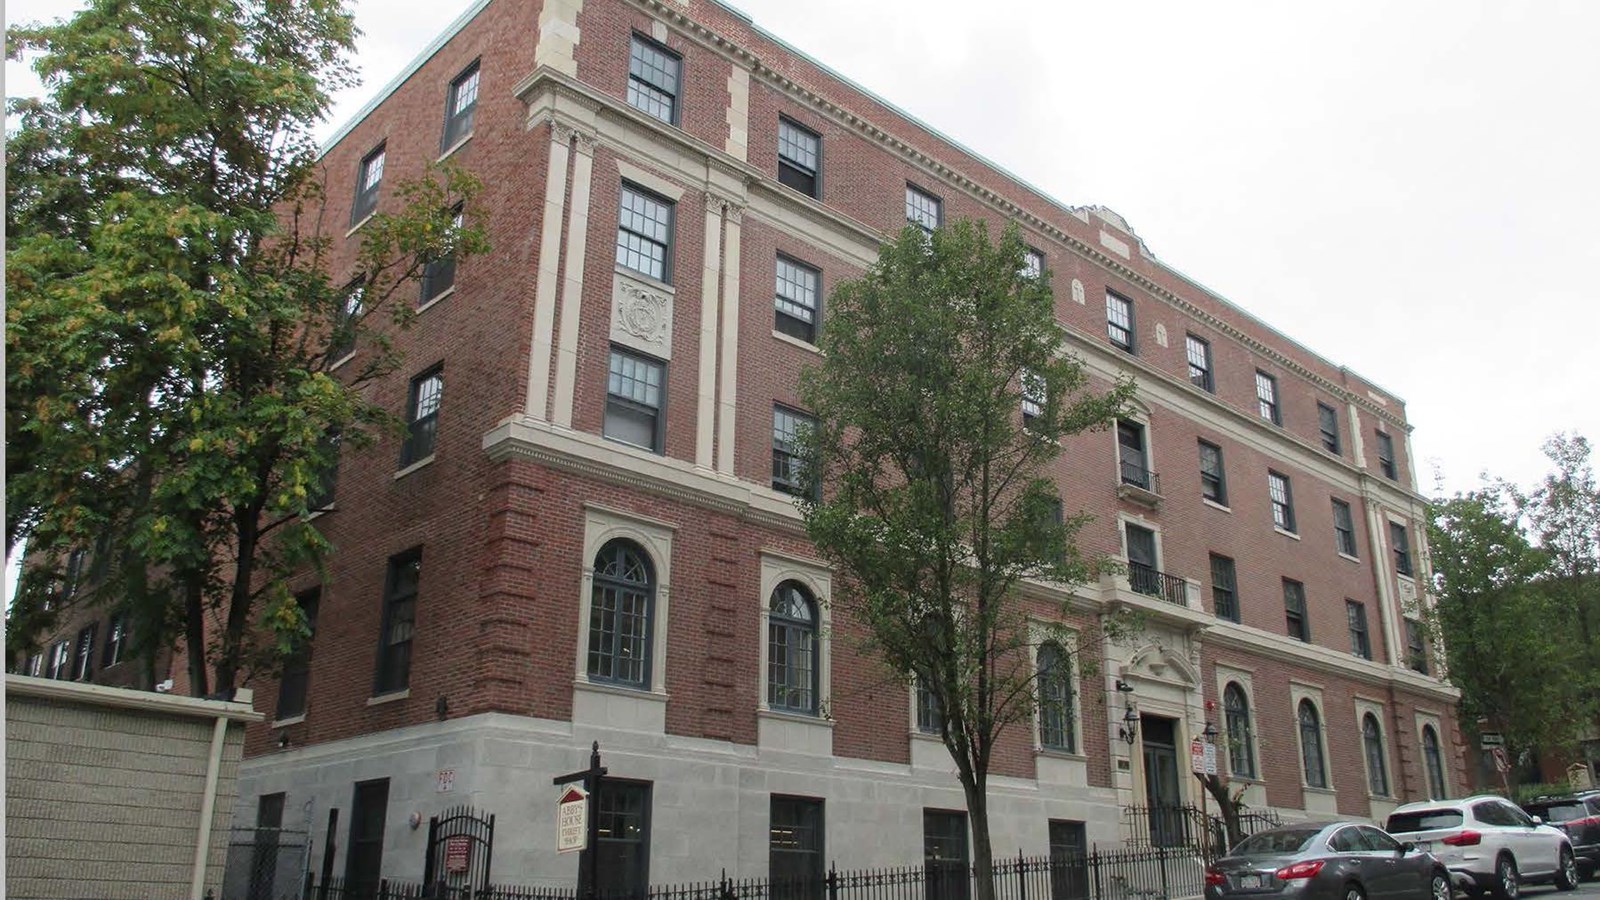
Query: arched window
[1372, 743]
[621, 610]
[1434, 764]
[1055, 699]
[792, 649]
[1311, 745]
[1241, 739]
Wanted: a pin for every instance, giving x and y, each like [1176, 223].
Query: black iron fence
[1148, 580]
[1182, 825]
[1136, 475]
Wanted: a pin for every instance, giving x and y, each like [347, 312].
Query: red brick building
[584, 536]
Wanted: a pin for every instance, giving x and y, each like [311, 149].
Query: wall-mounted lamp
[283, 739]
[1129, 729]
[441, 707]
[1210, 733]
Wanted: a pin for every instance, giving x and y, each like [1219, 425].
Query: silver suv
[1488, 844]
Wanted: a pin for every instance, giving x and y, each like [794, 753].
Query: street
[1588, 889]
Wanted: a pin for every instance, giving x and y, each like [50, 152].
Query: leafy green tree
[1564, 512]
[172, 325]
[944, 391]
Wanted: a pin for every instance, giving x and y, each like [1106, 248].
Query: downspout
[208, 801]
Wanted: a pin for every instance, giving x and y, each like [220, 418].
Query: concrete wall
[105, 789]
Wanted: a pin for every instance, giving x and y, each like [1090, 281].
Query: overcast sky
[1409, 189]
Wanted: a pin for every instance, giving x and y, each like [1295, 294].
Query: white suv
[1488, 844]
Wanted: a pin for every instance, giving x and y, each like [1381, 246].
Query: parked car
[1489, 845]
[1579, 816]
[1327, 861]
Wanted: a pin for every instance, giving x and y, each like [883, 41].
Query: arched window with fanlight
[1311, 745]
[1056, 731]
[1372, 745]
[792, 649]
[1241, 736]
[1434, 763]
[621, 614]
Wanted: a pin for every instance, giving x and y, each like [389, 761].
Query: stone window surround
[1124, 519]
[1069, 639]
[603, 524]
[1137, 413]
[776, 568]
[1364, 706]
[1422, 718]
[1298, 691]
[1226, 675]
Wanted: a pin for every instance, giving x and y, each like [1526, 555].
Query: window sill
[1053, 753]
[1343, 555]
[358, 226]
[391, 697]
[1215, 505]
[435, 299]
[582, 683]
[285, 723]
[1382, 798]
[630, 445]
[1246, 779]
[1406, 579]
[453, 148]
[425, 461]
[342, 360]
[1326, 792]
[925, 736]
[817, 720]
[1287, 534]
[642, 278]
[803, 345]
[319, 513]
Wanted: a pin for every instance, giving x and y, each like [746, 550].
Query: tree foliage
[933, 504]
[172, 319]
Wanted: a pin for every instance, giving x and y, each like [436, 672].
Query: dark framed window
[1032, 264]
[1131, 454]
[422, 416]
[622, 615]
[1282, 500]
[1344, 528]
[795, 299]
[635, 393]
[327, 484]
[74, 574]
[369, 813]
[644, 233]
[1328, 427]
[83, 653]
[1224, 592]
[399, 622]
[923, 209]
[34, 666]
[944, 854]
[1056, 730]
[1267, 398]
[1143, 574]
[1034, 395]
[788, 473]
[1372, 746]
[1386, 456]
[1294, 610]
[795, 848]
[1069, 859]
[653, 79]
[1356, 614]
[1416, 647]
[439, 275]
[1311, 745]
[369, 178]
[1198, 350]
[1119, 321]
[295, 681]
[623, 838]
[59, 665]
[1213, 482]
[342, 337]
[799, 157]
[1433, 762]
[1241, 736]
[1402, 548]
[930, 714]
[116, 640]
[459, 106]
[793, 669]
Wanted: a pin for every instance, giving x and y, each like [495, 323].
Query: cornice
[1323, 659]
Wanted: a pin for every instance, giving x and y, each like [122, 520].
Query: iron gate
[265, 863]
[460, 849]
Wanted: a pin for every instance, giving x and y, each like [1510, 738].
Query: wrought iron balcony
[1139, 484]
[1147, 580]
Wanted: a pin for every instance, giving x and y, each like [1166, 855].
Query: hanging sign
[572, 819]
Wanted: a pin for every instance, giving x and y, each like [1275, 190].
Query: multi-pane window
[1241, 737]
[1055, 698]
[795, 848]
[1032, 264]
[1433, 761]
[1416, 647]
[422, 416]
[83, 653]
[1119, 321]
[795, 300]
[116, 640]
[1224, 592]
[399, 622]
[1282, 501]
[327, 484]
[296, 677]
[1386, 456]
[621, 610]
[1267, 398]
[342, 337]
[1213, 484]
[923, 209]
[369, 176]
[799, 158]
[1199, 352]
[34, 666]
[622, 830]
[1131, 454]
[60, 661]
[792, 683]
[1356, 614]
[787, 467]
[459, 107]
[1294, 610]
[1311, 745]
[1328, 426]
[944, 854]
[1344, 527]
[1372, 745]
[653, 79]
[1034, 395]
[1402, 548]
[644, 233]
[930, 714]
[439, 275]
[635, 389]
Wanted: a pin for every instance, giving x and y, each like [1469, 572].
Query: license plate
[1424, 846]
[1250, 882]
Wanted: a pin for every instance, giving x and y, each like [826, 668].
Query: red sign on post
[456, 850]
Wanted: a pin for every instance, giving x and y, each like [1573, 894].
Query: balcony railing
[1134, 473]
[1147, 580]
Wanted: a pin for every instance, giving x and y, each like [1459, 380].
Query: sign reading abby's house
[572, 819]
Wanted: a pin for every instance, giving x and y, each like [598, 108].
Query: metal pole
[592, 864]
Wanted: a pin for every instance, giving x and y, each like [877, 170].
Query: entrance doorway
[1161, 788]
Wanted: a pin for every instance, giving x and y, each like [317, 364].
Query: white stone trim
[571, 311]
[649, 180]
[602, 525]
[1069, 640]
[1298, 691]
[419, 464]
[738, 115]
[1422, 719]
[706, 381]
[1124, 519]
[776, 568]
[728, 389]
[1226, 675]
[239, 709]
[1363, 708]
[548, 273]
[558, 35]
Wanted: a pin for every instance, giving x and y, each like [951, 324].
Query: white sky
[1409, 189]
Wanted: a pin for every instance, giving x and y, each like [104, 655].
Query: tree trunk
[194, 630]
[982, 850]
[247, 524]
[1218, 789]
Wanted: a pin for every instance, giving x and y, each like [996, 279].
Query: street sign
[1211, 759]
[572, 819]
[1489, 739]
[1197, 756]
[1500, 762]
[455, 853]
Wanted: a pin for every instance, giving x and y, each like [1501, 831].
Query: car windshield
[1282, 840]
[1424, 820]
[1557, 812]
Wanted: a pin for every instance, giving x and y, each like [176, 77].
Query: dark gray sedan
[1327, 861]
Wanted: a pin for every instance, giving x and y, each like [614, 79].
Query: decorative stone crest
[1077, 292]
[641, 316]
[1161, 334]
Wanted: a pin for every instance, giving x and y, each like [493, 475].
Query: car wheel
[1439, 888]
[1507, 886]
[1354, 892]
[1567, 871]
